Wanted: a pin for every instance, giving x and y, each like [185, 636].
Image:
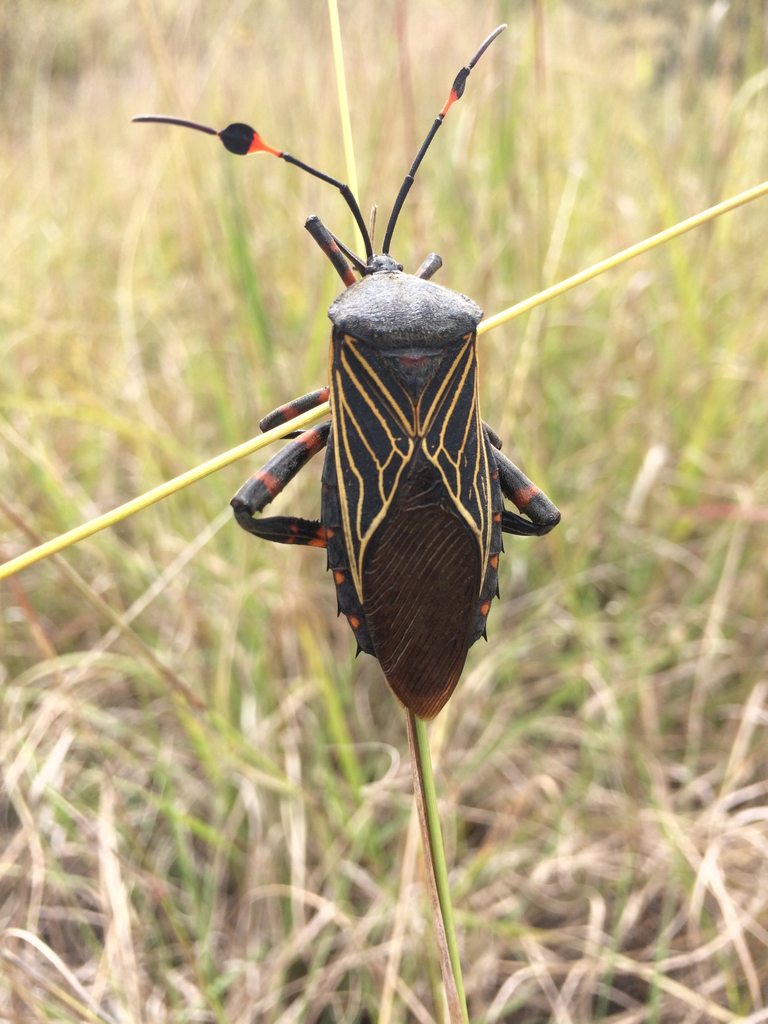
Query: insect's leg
[492, 436]
[266, 484]
[430, 266]
[515, 485]
[333, 250]
[295, 408]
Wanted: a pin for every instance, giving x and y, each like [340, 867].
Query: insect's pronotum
[412, 511]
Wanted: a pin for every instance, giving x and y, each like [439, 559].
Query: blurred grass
[604, 761]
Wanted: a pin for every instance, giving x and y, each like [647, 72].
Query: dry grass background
[205, 810]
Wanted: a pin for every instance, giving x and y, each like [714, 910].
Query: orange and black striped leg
[292, 409]
[528, 499]
[266, 484]
[333, 250]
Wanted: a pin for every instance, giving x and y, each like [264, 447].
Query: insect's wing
[454, 439]
[421, 582]
[374, 427]
[413, 480]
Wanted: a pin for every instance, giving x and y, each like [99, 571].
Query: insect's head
[243, 140]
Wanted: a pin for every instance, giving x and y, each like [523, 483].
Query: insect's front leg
[543, 516]
[290, 410]
[266, 484]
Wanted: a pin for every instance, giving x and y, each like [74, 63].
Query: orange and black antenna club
[237, 138]
[242, 140]
[457, 91]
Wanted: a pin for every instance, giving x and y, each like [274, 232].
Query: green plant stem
[437, 871]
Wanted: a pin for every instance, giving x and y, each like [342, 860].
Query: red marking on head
[524, 495]
[339, 576]
[354, 621]
[495, 562]
[411, 360]
[272, 484]
[485, 607]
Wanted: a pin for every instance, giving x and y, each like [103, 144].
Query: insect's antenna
[457, 91]
[243, 140]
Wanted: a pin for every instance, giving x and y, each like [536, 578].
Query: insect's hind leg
[266, 484]
[295, 408]
[543, 516]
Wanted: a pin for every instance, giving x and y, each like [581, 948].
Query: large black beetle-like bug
[412, 510]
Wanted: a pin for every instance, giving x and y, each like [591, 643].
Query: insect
[413, 486]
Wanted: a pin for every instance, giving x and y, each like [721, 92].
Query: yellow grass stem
[192, 476]
[227, 458]
[341, 84]
[622, 257]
